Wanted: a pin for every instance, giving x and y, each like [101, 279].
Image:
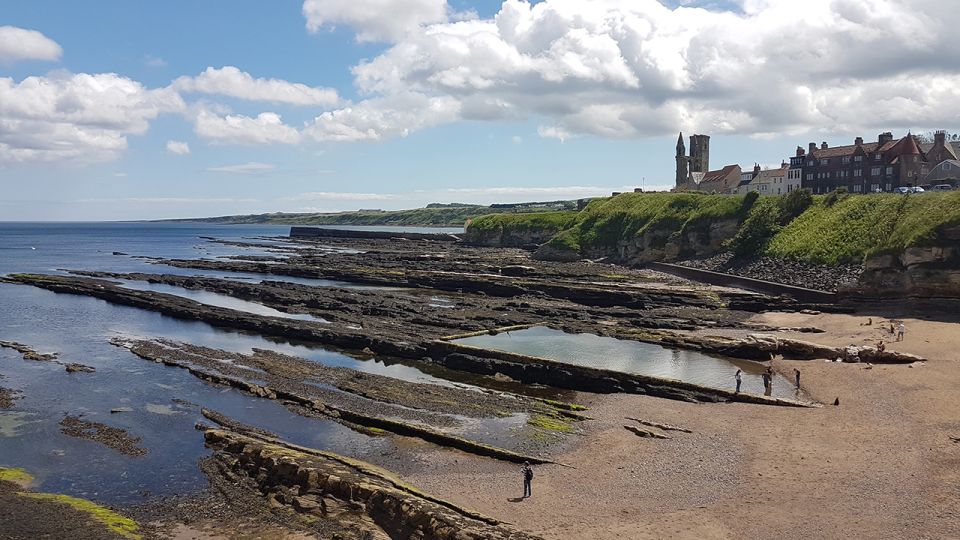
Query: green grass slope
[829, 229]
[857, 226]
[605, 222]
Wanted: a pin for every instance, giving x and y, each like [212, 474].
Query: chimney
[756, 169]
[885, 137]
[800, 151]
[813, 148]
[858, 141]
[823, 145]
[940, 138]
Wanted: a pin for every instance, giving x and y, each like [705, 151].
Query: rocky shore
[797, 273]
[468, 415]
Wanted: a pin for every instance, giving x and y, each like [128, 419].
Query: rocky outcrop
[762, 347]
[669, 245]
[917, 272]
[369, 501]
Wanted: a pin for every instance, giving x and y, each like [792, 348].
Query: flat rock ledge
[370, 501]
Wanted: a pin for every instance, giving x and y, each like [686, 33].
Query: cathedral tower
[681, 161]
[699, 153]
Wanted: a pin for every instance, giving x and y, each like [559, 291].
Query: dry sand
[880, 465]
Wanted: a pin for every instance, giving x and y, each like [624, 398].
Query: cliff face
[517, 230]
[659, 245]
[917, 272]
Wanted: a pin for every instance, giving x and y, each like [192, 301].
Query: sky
[120, 110]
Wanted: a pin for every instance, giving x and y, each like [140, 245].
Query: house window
[875, 171]
[858, 158]
[810, 163]
[809, 176]
[824, 161]
[889, 187]
[946, 166]
[876, 157]
[874, 187]
[858, 172]
[889, 170]
[857, 188]
[846, 159]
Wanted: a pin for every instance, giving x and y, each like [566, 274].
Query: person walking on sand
[900, 331]
[796, 375]
[739, 379]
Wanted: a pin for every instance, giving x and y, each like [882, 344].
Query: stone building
[693, 171]
[862, 167]
[764, 182]
[946, 172]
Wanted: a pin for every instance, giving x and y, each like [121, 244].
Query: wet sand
[880, 465]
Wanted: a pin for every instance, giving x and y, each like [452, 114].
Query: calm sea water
[79, 328]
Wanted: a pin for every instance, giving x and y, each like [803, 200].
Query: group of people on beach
[767, 377]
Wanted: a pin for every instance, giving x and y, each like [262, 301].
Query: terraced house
[862, 167]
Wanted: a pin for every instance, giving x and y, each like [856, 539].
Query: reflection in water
[632, 357]
[219, 300]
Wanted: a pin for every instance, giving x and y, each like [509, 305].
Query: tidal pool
[632, 357]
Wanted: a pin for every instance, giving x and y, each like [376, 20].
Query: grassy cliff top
[832, 229]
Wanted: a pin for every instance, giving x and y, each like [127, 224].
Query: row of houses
[862, 167]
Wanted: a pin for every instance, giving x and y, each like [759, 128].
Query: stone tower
[681, 162]
[699, 153]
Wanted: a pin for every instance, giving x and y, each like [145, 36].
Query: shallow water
[632, 357]
[219, 300]
[80, 327]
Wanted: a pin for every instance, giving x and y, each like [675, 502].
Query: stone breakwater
[369, 502]
[797, 273]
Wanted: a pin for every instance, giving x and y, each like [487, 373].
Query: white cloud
[516, 139]
[633, 68]
[22, 44]
[178, 147]
[553, 132]
[251, 167]
[78, 118]
[266, 128]
[381, 118]
[230, 81]
[374, 20]
[154, 61]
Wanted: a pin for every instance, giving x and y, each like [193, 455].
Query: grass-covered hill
[434, 215]
[831, 229]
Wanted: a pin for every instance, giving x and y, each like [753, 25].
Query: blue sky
[135, 110]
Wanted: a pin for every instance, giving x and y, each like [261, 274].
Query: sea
[158, 404]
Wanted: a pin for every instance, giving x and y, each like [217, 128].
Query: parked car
[917, 189]
[942, 187]
[903, 190]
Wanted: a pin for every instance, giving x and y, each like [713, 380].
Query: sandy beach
[879, 465]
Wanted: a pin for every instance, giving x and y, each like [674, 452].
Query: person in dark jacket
[527, 479]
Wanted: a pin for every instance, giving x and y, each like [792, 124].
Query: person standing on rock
[527, 471]
[767, 381]
[739, 379]
[900, 331]
[796, 374]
